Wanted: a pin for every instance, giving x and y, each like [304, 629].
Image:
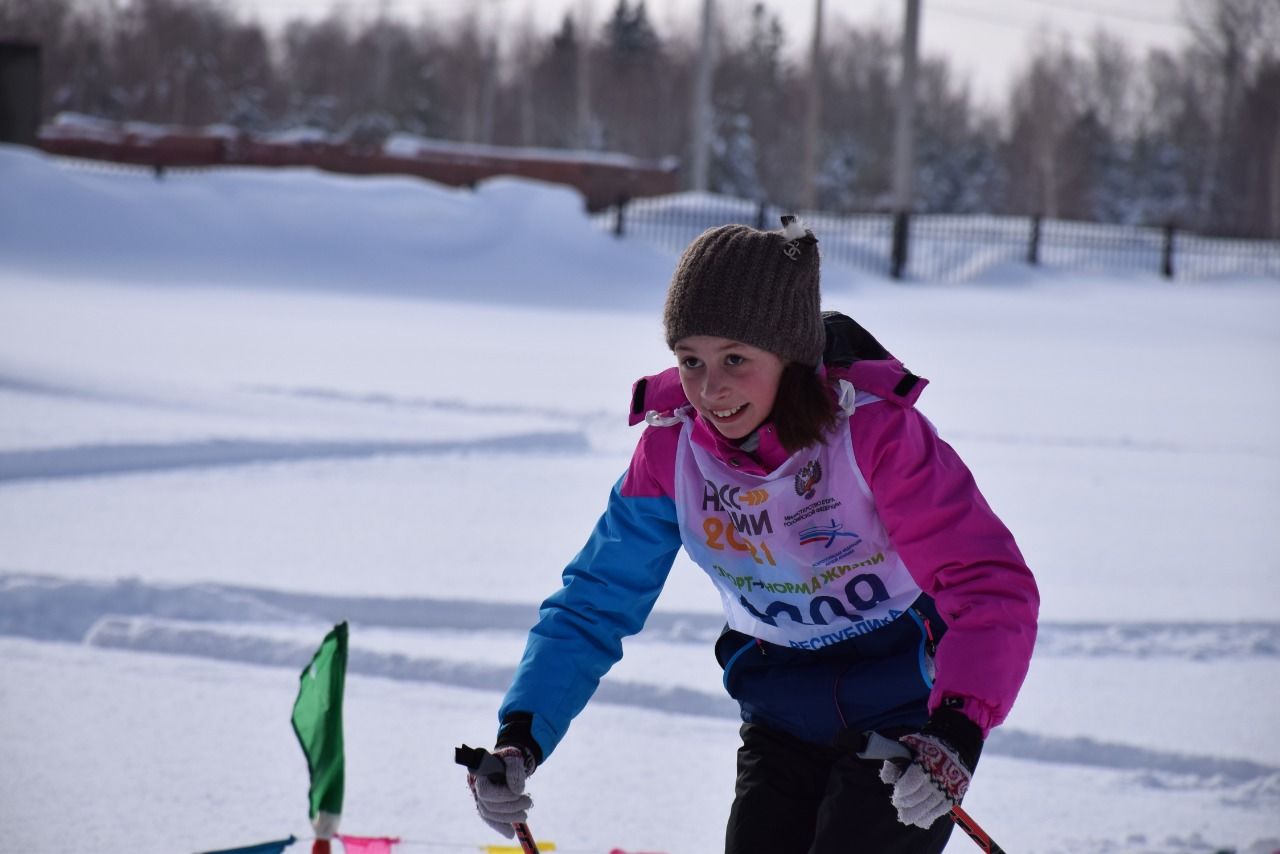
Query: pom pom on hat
[793, 228]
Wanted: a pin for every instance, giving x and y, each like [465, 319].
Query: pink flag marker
[368, 844]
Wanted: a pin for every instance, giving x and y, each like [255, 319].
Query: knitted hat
[757, 287]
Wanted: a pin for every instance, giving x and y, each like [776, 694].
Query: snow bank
[389, 235]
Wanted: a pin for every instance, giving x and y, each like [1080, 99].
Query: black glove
[945, 754]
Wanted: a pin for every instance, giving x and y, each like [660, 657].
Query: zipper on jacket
[931, 645]
[927, 645]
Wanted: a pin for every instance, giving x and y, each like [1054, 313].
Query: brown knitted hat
[757, 287]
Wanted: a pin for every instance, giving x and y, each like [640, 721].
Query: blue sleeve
[609, 590]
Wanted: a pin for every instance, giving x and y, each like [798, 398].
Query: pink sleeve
[959, 553]
[652, 470]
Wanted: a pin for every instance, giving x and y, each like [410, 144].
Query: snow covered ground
[238, 407]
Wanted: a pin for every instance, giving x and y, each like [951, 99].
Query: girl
[867, 586]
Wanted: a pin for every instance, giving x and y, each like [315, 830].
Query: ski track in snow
[133, 458]
[1111, 443]
[125, 458]
[19, 385]
[48, 607]
[134, 615]
[392, 401]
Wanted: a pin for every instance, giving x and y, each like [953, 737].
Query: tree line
[1090, 131]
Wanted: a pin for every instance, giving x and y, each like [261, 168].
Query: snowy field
[237, 407]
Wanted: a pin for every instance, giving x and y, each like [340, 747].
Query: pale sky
[986, 41]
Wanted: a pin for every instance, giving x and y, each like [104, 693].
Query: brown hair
[804, 409]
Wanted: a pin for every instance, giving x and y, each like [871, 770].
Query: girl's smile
[731, 384]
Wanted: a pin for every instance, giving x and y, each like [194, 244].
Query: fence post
[620, 217]
[761, 212]
[1166, 261]
[1033, 250]
[901, 239]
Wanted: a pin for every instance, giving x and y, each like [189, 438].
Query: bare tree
[1094, 132]
[554, 86]
[1228, 34]
[314, 64]
[752, 118]
[465, 75]
[388, 84]
[641, 93]
[857, 169]
[957, 148]
[524, 58]
[1043, 106]
[1109, 87]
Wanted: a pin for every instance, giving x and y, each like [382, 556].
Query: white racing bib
[800, 556]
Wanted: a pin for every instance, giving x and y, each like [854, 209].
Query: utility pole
[526, 52]
[813, 114]
[489, 90]
[904, 138]
[582, 77]
[1275, 188]
[487, 20]
[702, 110]
[904, 127]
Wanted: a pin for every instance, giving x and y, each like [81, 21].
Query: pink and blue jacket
[902, 588]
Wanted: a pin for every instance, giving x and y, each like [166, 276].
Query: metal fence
[955, 247]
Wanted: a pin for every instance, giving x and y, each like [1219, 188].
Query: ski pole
[479, 761]
[879, 747]
[976, 833]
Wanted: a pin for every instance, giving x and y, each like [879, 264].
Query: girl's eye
[690, 362]
[733, 360]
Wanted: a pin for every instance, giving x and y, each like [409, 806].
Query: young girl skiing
[866, 584]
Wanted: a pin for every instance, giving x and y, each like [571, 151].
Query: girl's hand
[502, 802]
[934, 782]
[944, 754]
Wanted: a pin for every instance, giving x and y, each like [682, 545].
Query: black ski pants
[793, 797]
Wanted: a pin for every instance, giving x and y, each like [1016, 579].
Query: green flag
[317, 721]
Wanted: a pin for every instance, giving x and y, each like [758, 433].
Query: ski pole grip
[879, 747]
[481, 762]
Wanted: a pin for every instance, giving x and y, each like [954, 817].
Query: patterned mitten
[939, 774]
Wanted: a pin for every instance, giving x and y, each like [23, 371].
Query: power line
[1108, 13]
[977, 15]
[1025, 25]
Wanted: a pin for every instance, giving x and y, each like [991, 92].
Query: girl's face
[731, 384]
